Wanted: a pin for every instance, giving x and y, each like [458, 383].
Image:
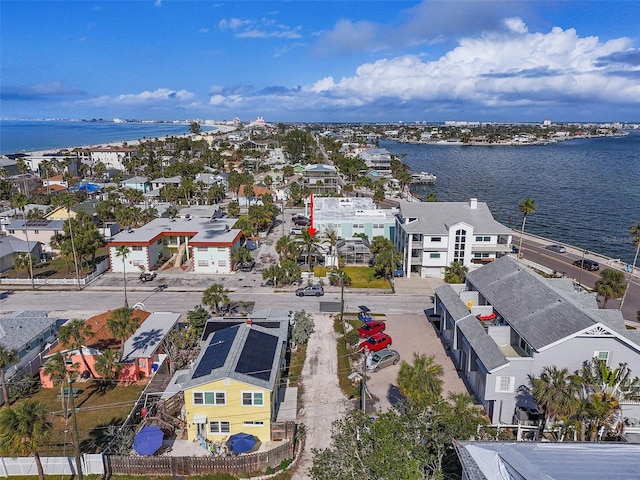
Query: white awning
[200, 419]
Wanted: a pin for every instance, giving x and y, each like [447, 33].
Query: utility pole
[76, 439]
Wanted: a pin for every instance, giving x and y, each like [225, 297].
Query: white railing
[100, 269]
[92, 464]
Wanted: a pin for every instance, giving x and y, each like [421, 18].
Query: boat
[423, 177]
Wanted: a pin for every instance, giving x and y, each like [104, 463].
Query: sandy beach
[130, 143]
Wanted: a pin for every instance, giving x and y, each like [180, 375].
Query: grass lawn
[364, 277]
[95, 411]
[56, 268]
[361, 277]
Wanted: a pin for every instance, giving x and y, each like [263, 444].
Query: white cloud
[157, 3]
[203, 30]
[160, 96]
[264, 28]
[514, 68]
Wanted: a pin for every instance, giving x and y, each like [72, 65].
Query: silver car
[310, 290]
[383, 358]
[556, 248]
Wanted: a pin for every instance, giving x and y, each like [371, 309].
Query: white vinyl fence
[92, 464]
[100, 269]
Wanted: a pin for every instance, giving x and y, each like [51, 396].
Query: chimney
[473, 203]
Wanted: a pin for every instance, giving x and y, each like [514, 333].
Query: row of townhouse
[506, 323]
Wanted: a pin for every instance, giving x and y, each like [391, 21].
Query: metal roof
[549, 461]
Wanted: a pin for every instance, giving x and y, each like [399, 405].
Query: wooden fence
[183, 466]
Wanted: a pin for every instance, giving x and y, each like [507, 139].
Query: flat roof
[146, 340]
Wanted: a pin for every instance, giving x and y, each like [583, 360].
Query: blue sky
[330, 61]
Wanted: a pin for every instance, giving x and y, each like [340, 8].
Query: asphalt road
[563, 263]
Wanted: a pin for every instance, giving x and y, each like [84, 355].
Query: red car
[371, 328]
[376, 342]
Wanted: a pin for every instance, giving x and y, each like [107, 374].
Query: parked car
[587, 264]
[302, 222]
[376, 342]
[247, 266]
[556, 248]
[382, 359]
[299, 216]
[147, 276]
[515, 249]
[371, 328]
[310, 291]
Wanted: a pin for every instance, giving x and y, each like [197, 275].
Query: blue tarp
[148, 440]
[87, 187]
[242, 442]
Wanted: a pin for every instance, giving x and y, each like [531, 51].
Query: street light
[581, 268]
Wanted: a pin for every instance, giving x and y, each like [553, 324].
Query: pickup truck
[147, 276]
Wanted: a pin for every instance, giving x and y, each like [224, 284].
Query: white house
[507, 323]
[111, 157]
[432, 235]
[204, 245]
[378, 159]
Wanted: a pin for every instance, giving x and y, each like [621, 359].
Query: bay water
[587, 191]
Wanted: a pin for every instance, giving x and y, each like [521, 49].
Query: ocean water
[587, 191]
[29, 136]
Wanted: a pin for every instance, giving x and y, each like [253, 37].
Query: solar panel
[216, 353]
[37, 223]
[257, 355]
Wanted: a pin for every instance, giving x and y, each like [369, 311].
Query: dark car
[147, 276]
[310, 291]
[556, 248]
[587, 264]
[371, 328]
[376, 342]
[301, 222]
[247, 266]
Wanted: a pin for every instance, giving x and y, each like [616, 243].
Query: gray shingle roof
[241, 343]
[488, 352]
[537, 312]
[19, 328]
[146, 339]
[434, 218]
[450, 299]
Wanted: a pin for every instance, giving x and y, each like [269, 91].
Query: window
[221, 249]
[252, 423]
[12, 232]
[505, 384]
[434, 255]
[480, 255]
[600, 355]
[203, 263]
[483, 239]
[526, 348]
[459, 245]
[219, 427]
[222, 263]
[137, 263]
[358, 226]
[136, 248]
[203, 249]
[209, 398]
[252, 398]
[378, 225]
[36, 231]
[436, 239]
[416, 237]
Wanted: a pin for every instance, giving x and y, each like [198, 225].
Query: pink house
[142, 352]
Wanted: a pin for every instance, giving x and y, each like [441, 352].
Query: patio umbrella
[148, 440]
[242, 442]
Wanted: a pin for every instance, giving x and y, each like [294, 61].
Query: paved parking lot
[411, 333]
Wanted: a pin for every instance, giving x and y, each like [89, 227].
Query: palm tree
[108, 366]
[8, 357]
[421, 383]
[123, 251]
[73, 335]
[286, 248]
[58, 371]
[214, 296]
[556, 392]
[122, 324]
[332, 239]
[23, 430]
[611, 285]
[66, 200]
[456, 272]
[241, 255]
[20, 201]
[527, 207]
[307, 243]
[634, 230]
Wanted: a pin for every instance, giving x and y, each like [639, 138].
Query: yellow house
[233, 385]
[60, 213]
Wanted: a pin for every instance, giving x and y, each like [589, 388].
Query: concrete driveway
[411, 333]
